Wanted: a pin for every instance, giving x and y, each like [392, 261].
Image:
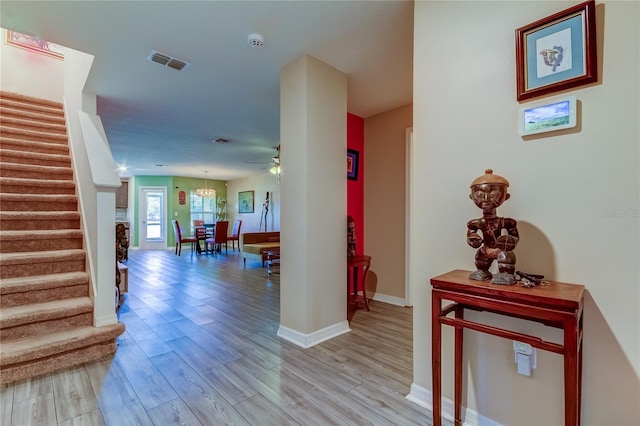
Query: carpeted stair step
[18, 322]
[28, 264]
[32, 135]
[41, 240]
[17, 110]
[34, 158]
[41, 354]
[36, 186]
[33, 146]
[7, 123]
[42, 288]
[38, 202]
[35, 221]
[35, 172]
[15, 100]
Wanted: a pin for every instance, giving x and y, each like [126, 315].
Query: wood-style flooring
[201, 349]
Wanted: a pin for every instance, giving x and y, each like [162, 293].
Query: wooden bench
[255, 245]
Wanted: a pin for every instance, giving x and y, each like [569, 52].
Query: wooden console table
[354, 263]
[557, 305]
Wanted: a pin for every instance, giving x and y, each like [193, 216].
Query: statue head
[489, 191]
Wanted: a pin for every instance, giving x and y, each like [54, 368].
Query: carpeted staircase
[46, 314]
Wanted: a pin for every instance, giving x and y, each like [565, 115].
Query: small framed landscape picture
[245, 202]
[352, 164]
[557, 53]
[548, 116]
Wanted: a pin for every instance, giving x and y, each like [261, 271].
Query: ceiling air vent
[168, 61]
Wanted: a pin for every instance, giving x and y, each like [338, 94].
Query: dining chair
[177, 231]
[219, 237]
[200, 232]
[235, 234]
[209, 229]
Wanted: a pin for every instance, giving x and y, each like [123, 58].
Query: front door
[153, 218]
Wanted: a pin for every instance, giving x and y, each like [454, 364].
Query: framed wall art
[548, 116]
[245, 202]
[34, 44]
[352, 164]
[557, 52]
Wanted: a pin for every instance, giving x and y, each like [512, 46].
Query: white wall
[43, 78]
[575, 195]
[260, 184]
[384, 203]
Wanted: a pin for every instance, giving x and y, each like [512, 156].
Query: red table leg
[436, 354]
[459, 333]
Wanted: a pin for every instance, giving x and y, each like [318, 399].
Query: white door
[153, 217]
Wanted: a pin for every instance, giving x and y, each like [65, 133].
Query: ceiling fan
[275, 160]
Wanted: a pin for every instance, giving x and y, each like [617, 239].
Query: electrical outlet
[525, 356]
[524, 348]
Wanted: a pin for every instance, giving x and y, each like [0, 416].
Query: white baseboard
[307, 340]
[424, 398]
[164, 248]
[392, 300]
[421, 396]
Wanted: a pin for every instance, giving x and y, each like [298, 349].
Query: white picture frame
[548, 116]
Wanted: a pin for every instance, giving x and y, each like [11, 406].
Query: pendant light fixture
[275, 169]
[206, 192]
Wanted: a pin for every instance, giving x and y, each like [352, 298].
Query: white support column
[105, 268]
[313, 132]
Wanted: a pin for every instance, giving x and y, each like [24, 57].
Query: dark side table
[273, 261]
[557, 305]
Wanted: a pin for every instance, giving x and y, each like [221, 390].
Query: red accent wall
[355, 188]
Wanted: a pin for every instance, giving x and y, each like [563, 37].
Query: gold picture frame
[33, 44]
[246, 202]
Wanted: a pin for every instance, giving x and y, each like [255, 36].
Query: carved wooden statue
[122, 243]
[351, 237]
[495, 237]
[122, 250]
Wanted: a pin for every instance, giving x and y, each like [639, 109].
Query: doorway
[408, 217]
[153, 217]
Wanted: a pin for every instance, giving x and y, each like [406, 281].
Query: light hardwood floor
[201, 349]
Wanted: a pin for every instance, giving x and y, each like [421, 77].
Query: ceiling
[160, 121]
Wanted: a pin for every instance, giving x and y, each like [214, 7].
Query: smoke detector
[255, 40]
[167, 61]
